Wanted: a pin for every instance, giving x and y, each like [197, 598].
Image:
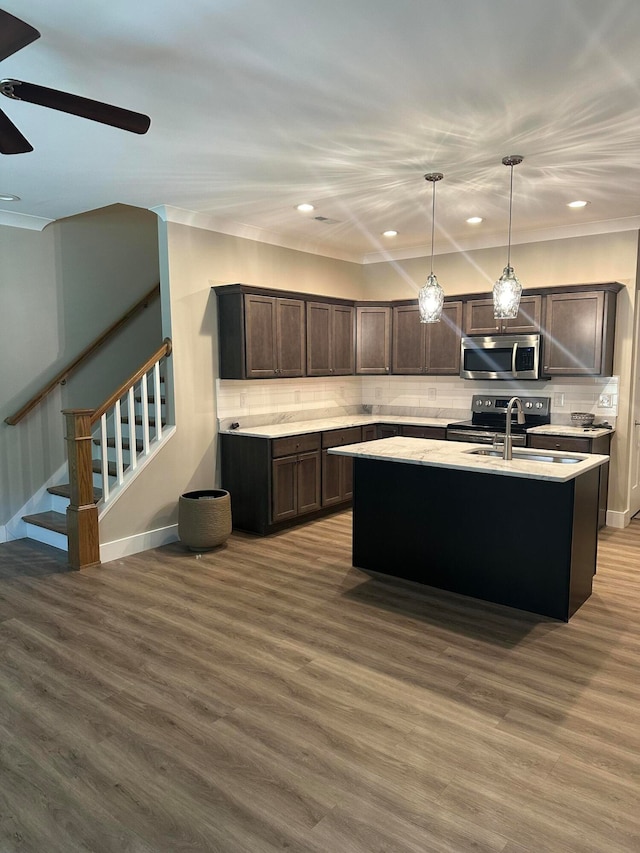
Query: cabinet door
[574, 331]
[318, 338]
[529, 318]
[290, 337]
[408, 340]
[443, 342]
[342, 347]
[479, 319]
[373, 339]
[308, 482]
[387, 430]
[331, 486]
[284, 488]
[260, 332]
[369, 433]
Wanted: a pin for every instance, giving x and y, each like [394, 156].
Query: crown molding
[23, 220]
[206, 222]
[585, 229]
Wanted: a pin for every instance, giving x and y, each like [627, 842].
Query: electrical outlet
[431, 393]
[378, 393]
[296, 396]
[243, 400]
[558, 400]
[605, 401]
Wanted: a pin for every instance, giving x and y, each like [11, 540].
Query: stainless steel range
[489, 419]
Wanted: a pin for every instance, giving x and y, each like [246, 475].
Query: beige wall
[577, 260]
[59, 289]
[195, 260]
[192, 260]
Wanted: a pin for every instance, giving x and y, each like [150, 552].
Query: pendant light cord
[510, 209]
[433, 223]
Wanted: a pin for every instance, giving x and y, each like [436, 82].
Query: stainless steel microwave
[501, 357]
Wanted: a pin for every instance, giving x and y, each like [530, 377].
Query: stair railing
[86, 353]
[80, 434]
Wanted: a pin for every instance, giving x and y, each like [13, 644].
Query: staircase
[125, 432]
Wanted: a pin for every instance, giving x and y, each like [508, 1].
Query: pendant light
[507, 289]
[431, 295]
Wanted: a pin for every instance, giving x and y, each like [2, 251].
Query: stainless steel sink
[519, 454]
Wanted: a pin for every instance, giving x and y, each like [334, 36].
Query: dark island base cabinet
[529, 544]
[581, 445]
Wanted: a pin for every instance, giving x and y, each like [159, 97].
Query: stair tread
[50, 520]
[111, 468]
[150, 399]
[64, 491]
[152, 421]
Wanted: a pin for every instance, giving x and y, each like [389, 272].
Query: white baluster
[133, 444]
[145, 415]
[156, 397]
[118, 440]
[103, 458]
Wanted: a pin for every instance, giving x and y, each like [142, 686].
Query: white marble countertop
[571, 431]
[283, 430]
[457, 455]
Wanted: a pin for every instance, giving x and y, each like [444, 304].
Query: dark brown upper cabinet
[579, 332]
[479, 319]
[426, 348]
[260, 336]
[373, 339]
[330, 341]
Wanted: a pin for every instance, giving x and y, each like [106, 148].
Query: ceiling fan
[16, 34]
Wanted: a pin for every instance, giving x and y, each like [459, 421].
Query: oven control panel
[494, 404]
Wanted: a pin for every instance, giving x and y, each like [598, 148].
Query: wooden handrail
[164, 350]
[12, 420]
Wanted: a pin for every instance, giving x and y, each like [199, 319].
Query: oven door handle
[513, 358]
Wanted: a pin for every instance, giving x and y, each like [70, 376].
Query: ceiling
[258, 105]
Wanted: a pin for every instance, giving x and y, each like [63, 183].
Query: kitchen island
[521, 532]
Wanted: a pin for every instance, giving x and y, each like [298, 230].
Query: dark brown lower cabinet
[424, 432]
[337, 479]
[369, 433]
[581, 444]
[387, 430]
[295, 485]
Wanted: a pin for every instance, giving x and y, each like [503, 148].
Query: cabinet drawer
[295, 444]
[424, 432]
[560, 442]
[338, 437]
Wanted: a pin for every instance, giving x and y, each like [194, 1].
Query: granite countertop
[457, 455]
[571, 431]
[283, 430]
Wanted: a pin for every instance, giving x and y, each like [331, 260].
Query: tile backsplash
[252, 401]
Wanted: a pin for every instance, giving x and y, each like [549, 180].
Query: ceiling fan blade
[11, 140]
[14, 34]
[74, 104]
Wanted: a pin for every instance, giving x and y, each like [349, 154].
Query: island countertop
[460, 456]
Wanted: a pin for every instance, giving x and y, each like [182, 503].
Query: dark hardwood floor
[268, 697]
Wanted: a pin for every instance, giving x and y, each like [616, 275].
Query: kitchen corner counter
[283, 430]
[567, 431]
[459, 456]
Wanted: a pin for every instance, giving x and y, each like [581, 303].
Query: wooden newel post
[82, 512]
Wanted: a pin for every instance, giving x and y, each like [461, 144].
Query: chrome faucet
[514, 401]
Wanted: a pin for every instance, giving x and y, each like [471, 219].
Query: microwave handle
[513, 357]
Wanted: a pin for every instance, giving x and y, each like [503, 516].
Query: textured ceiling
[258, 105]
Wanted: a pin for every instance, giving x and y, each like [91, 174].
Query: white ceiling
[258, 105]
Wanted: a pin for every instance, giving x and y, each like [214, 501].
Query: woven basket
[204, 518]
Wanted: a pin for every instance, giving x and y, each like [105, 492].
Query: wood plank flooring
[267, 696]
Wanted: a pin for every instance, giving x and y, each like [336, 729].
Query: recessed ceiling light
[305, 208]
[9, 197]
[474, 220]
[390, 233]
[577, 204]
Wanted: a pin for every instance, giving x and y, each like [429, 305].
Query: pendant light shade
[431, 295]
[507, 289]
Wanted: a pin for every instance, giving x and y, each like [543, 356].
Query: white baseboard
[618, 519]
[140, 542]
